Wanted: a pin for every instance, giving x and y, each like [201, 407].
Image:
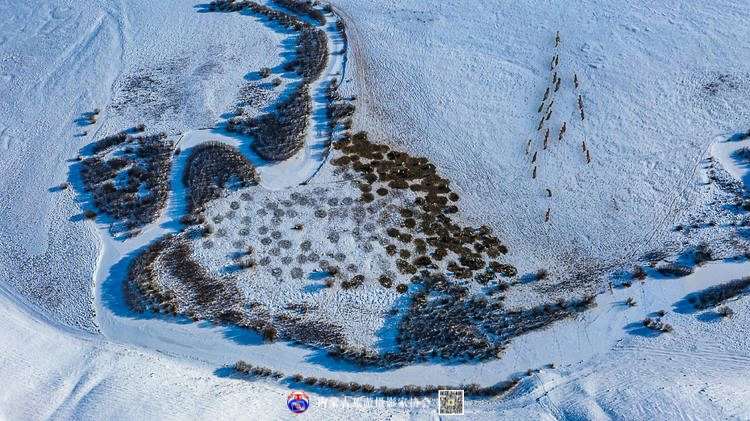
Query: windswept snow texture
[158, 63]
[457, 81]
[460, 82]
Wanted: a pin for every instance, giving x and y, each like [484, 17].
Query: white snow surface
[457, 81]
[460, 82]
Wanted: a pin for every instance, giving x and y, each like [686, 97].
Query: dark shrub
[385, 281]
[212, 167]
[674, 270]
[269, 333]
[725, 311]
[354, 282]
[303, 8]
[712, 297]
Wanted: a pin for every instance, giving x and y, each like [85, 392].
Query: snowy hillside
[546, 204]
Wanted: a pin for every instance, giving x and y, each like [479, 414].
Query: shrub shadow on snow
[318, 275]
[313, 288]
[709, 317]
[737, 137]
[114, 299]
[113, 296]
[742, 160]
[684, 306]
[528, 278]
[239, 335]
[638, 329]
[321, 358]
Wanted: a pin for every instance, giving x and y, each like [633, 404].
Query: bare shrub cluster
[716, 295]
[194, 293]
[281, 133]
[411, 390]
[212, 167]
[675, 270]
[428, 224]
[657, 325]
[131, 186]
[303, 8]
[444, 322]
[453, 325]
[312, 53]
[248, 369]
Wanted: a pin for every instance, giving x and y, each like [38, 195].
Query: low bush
[639, 273]
[725, 311]
[212, 167]
[145, 170]
[355, 282]
[303, 8]
[270, 333]
[714, 296]
[385, 281]
[671, 269]
[657, 325]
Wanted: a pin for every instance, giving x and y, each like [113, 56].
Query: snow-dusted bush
[303, 8]
[210, 168]
[280, 134]
[725, 311]
[718, 294]
[678, 271]
[657, 325]
[132, 185]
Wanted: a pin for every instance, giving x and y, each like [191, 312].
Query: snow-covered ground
[461, 81]
[458, 82]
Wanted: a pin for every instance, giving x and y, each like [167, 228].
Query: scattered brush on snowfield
[303, 8]
[190, 290]
[446, 320]
[212, 167]
[716, 295]
[164, 278]
[657, 325]
[128, 178]
[677, 271]
[280, 134]
[473, 390]
[339, 113]
[429, 225]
